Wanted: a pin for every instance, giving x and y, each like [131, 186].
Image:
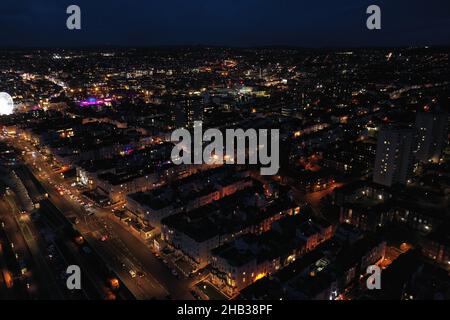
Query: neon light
[94, 102]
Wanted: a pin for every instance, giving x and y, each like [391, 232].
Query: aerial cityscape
[347, 198]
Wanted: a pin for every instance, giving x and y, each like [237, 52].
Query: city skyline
[87, 162]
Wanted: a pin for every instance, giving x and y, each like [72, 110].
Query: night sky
[313, 23]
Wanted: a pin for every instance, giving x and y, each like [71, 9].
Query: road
[157, 283]
[111, 251]
[314, 198]
[39, 275]
[11, 243]
[178, 288]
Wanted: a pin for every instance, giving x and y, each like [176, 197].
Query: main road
[157, 282]
[39, 276]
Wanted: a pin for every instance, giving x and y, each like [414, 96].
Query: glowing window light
[260, 276]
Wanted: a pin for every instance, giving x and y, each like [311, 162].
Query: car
[140, 274]
[174, 272]
[132, 273]
[165, 261]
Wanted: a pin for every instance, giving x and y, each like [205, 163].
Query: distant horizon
[206, 46]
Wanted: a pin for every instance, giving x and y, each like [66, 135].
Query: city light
[223, 173]
[259, 276]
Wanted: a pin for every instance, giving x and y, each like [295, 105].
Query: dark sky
[313, 23]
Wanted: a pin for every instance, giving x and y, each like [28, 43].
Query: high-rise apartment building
[394, 158]
[432, 132]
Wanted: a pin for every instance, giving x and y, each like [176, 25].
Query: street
[157, 281]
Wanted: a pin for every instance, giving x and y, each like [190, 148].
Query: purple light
[128, 150]
[94, 102]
